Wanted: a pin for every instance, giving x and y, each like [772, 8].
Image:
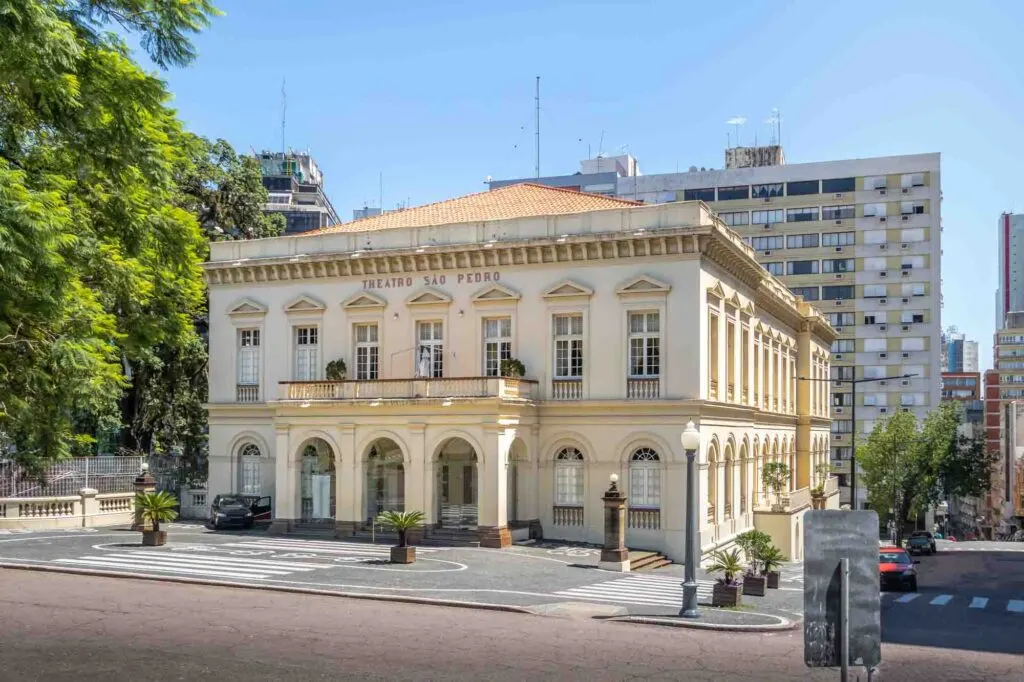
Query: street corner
[720, 620]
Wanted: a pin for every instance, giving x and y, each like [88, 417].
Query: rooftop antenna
[380, 197]
[284, 110]
[537, 99]
[736, 122]
[775, 121]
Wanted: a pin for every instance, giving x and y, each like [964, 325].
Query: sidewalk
[551, 579]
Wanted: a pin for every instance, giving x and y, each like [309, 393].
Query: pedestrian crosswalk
[967, 547]
[255, 559]
[977, 603]
[648, 590]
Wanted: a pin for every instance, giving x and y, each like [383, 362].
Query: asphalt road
[971, 599]
[63, 627]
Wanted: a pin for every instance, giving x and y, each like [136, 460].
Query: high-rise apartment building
[1010, 291]
[958, 353]
[860, 239]
[295, 184]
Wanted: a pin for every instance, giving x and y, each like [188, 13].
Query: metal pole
[853, 444]
[844, 619]
[537, 169]
[690, 609]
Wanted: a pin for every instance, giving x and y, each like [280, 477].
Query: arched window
[744, 485]
[645, 479]
[569, 478]
[712, 485]
[730, 466]
[250, 482]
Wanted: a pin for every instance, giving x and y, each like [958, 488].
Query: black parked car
[238, 511]
[921, 540]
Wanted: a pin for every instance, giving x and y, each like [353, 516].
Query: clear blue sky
[439, 95]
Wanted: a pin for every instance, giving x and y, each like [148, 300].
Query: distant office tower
[1010, 291]
[958, 354]
[296, 187]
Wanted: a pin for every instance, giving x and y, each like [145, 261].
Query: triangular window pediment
[247, 306]
[304, 304]
[363, 300]
[644, 285]
[496, 292]
[716, 290]
[749, 309]
[567, 288]
[429, 296]
[734, 301]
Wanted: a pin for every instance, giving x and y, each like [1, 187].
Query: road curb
[482, 606]
[784, 624]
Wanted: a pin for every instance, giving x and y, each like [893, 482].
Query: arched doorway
[516, 455]
[385, 478]
[317, 483]
[457, 483]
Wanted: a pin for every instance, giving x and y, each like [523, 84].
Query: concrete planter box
[818, 501]
[773, 580]
[154, 538]
[726, 595]
[403, 555]
[754, 585]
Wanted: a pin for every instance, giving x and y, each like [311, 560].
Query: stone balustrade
[86, 510]
[505, 388]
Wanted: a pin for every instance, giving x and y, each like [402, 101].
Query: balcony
[644, 519]
[410, 389]
[566, 389]
[642, 389]
[247, 393]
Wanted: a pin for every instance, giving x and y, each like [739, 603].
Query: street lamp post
[853, 421]
[691, 442]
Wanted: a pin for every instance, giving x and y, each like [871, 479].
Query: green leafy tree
[99, 253]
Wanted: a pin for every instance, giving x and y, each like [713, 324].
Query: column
[755, 385]
[348, 516]
[769, 390]
[532, 501]
[493, 471]
[418, 486]
[284, 491]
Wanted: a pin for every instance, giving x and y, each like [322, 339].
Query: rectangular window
[908, 180]
[842, 399]
[808, 293]
[430, 349]
[568, 346]
[766, 191]
[875, 237]
[874, 372]
[844, 426]
[837, 292]
[838, 265]
[875, 264]
[738, 192]
[911, 207]
[875, 182]
[707, 194]
[803, 187]
[870, 319]
[644, 345]
[249, 356]
[307, 353]
[838, 212]
[713, 351]
[767, 217]
[837, 373]
[802, 215]
[842, 319]
[497, 344]
[916, 289]
[766, 243]
[875, 291]
[367, 352]
[843, 346]
[802, 267]
[912, 235]
[876, 399]
[913, 343]
[875, 210]
[774, 268]
[875, 345]
[836, 185]
[802, 241]
[736, 218]
[730, 354]
[838, 238]
[568, 485]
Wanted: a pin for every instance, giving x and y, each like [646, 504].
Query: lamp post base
[690, 609]
[617, 566]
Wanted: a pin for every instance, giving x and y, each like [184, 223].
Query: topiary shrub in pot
[402, 522]
[336, 370]
[513, 369]
[157, 508]
[727, 589]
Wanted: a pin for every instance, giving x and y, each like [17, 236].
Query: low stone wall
[88, 509]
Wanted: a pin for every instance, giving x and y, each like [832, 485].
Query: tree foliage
[909, 465]
[99, 246]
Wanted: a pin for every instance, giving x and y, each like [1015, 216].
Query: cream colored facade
[629, 321]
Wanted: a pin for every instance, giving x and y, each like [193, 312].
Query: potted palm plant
[336, 370]
[727, 590]
[513, 369]
[157, 508]
[751, 542]
[771, 559]
[402, 522]
[775, 476]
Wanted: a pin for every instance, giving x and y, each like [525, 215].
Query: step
[642, 560]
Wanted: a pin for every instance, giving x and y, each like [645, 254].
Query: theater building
[629, 320]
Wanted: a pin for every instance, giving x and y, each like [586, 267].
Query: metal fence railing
[105, 474]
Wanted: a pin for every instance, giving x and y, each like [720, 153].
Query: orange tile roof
[513, 201]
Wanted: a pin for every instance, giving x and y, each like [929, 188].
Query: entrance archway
[457, 484]
[385, 478]
[317, 482]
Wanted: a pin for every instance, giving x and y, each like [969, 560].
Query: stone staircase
[642, 560]
[312, 530]
[434, 537]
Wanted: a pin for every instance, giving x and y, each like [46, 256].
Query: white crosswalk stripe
[979, 603]
[652, 590]
[251, 559]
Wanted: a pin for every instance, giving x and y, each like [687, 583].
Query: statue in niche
[423, 370]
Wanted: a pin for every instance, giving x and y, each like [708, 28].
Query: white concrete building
[630, 320]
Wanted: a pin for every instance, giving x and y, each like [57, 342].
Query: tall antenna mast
[284, 110]
[776, 123]
[537, 125]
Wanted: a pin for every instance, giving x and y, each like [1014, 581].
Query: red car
[896, 569]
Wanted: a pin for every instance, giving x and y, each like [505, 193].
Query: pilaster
[493, 502]
[346, 484]
[284, 489]
[418, 486]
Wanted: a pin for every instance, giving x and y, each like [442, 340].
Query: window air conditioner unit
[881, 191]
[906, 190]
[882, 219]
[905, 327]
[883, 301]
[767, 226]
[839, 222]
[883, 247]
[882, 327]
[767, 253]
[838, 195]
[767, 199]
[839, 329]
[883, 273]
[839, 302]
[839, 249]
[838, 410]
[906, 355]
[905, 382]
[905, 217]
[883, 410]
[904, 246]
[906, 409]
[905, 300]
[906, 273]
[838, 356]
[883, 355]
[883, 382]
[839, 275]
